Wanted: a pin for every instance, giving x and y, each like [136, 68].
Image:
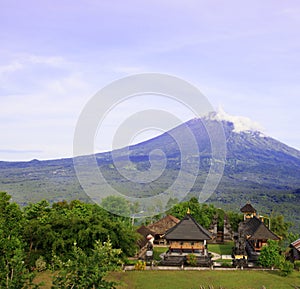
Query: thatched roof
[255, 229]
[160, 227]
[248, 209]
[188, 229]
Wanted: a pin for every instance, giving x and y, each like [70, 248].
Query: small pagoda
[185, 238]
[248, 211]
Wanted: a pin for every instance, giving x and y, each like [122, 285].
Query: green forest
[81, 242]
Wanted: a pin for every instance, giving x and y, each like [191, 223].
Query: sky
[244, 56]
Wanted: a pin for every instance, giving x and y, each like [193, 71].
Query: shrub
[286, 267]
[270, 255]
[191, 260]
[140, 265]
[40, 264]
[297, 265]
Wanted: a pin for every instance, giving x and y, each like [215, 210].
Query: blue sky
[55, 55]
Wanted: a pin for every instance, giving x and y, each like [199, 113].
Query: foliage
[43, 230]
[279, 226]
[40, 264]
[191, 259]
[270, 255]
[204, 213]
[56, 228]
[285, 267]
[234, 219]
[13, 270]
[140, 265]
[297, 265]
[84, 271]
[117, 205]
[291, 238]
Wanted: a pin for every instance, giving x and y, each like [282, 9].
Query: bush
[140, 265]
[286, 267]
[297, 265]
[270, 255]
[191, 260]
[40, 264]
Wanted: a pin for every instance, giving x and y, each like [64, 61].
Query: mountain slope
[257, 168]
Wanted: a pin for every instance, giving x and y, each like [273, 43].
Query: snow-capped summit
[241, 123]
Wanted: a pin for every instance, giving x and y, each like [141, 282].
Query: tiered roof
[188, 229]
[255, 229]
[248, 209]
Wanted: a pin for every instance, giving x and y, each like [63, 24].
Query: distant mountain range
[258, 168]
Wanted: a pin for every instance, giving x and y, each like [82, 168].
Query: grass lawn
[221, 249]
[195, 279]
[157, 251]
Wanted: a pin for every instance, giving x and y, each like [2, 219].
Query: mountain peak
[240, 123]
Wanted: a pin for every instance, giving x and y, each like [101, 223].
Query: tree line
[40, 234]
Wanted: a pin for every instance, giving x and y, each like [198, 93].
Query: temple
[185, 238]
[253, 234]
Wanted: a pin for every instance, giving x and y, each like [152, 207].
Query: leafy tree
[117, 205]
[56, 229]
[84, 271]
[234, 219]
[13, 270]
[202, 213]
[270, 256]
[279, 226]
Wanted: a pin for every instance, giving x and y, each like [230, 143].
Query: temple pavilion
[253, 234]
[185, 238]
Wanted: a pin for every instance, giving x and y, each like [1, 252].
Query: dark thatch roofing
[296, 244]
[188, 229]
[248, 209]
[255, 229]
[160, 227]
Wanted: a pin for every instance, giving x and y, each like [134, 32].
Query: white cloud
[241, 123]
[11, 67]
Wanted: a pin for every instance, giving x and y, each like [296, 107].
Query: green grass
[157, 251]
[221, 249]
[195, 279]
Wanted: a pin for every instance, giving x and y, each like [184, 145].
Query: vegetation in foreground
[80, 241]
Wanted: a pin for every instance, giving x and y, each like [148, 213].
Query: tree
[13, 270]
[202, 213]
[56, 228]
[85, 271]
[279, 226]
[270, 256]
[117, 205]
